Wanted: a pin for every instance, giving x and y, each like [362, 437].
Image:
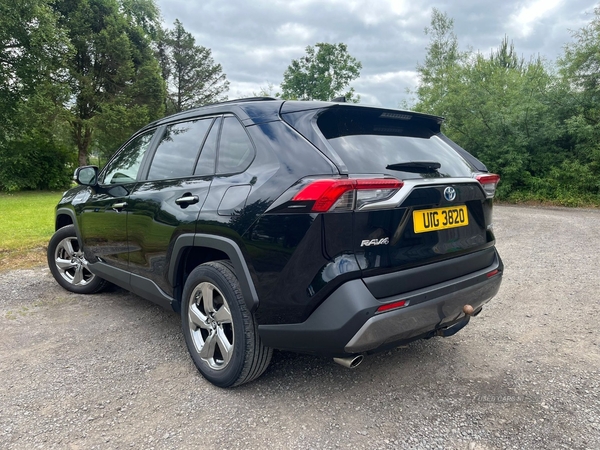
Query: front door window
[124, 167]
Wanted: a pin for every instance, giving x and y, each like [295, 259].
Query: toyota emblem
[449, 194]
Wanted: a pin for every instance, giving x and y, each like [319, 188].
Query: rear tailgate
[390, 240]
[441, 211]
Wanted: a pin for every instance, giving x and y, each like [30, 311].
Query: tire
[220, 333]
[68, 265]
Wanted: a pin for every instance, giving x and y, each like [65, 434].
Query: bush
[35, 164]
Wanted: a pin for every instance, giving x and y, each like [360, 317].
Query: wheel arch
[65, 217]
[188, 247]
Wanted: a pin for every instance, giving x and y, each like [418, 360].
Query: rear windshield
[369, 140]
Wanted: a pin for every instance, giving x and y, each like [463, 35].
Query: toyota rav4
[317, 227]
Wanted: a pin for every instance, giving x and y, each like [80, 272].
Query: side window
[235, 149]
[208, 156]
[125, 166]
[177, 150]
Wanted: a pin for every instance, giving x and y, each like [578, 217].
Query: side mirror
[86, 175]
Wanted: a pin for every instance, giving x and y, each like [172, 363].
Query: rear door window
[176, 154]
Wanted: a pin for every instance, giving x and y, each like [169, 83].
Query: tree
[32, 50]
[324, 73]
[267, 91]
[442, 60]
[33, 89]
[115, 79]
[580, 70]
[581, 61]
[193, 78]
[500, 110]
[38, 153]
[499, 107]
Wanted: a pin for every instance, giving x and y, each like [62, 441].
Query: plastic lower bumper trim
[346, 322]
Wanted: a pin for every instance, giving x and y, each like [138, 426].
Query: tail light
[489, 182]
[345, 194]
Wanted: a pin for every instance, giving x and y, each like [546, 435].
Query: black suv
[318, 227]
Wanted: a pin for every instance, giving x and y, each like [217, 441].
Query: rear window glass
[368, 141]
[208, 155]
[235, 149]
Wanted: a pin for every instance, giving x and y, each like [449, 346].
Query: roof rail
[242, 100]
[186, 111]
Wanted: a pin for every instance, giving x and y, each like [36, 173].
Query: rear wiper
[416, 166]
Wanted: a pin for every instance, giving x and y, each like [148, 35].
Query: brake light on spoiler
[347, 193]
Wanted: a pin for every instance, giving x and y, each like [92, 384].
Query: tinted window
[369, 141]
[176, 153]
[125, 166]
[208, 156]
[235, 149]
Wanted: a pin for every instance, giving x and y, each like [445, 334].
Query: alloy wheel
[211, 325]
[71, 264]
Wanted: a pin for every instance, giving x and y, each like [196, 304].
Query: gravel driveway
[112, 370]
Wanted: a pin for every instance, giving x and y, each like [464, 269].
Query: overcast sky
[256, 40]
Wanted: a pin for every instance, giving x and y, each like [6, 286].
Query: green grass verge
[26, 220]
[565, 199]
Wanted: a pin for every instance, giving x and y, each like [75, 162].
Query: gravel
[111, 370]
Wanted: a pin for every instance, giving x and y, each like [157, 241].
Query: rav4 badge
[369, 243]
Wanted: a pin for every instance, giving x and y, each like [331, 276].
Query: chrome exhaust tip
[350, 362]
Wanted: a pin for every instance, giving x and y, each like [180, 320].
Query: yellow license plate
[440, 218]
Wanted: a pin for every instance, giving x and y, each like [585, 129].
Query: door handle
[187, 200]
[119, 206]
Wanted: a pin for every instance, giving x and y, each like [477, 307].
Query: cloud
[256, 41]
[294, 32]
[527, 17]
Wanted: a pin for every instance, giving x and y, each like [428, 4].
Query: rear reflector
[325, 193]
[492, 273]
[393, 305]
[489, 182]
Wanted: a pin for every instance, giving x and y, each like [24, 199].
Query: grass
[26, 225]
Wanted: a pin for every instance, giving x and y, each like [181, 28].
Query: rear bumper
[347, 321]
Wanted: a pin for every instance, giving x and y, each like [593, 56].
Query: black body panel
[102, 225]
[156, 220]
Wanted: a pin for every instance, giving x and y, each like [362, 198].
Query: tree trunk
[82, 158]
[82, 135]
